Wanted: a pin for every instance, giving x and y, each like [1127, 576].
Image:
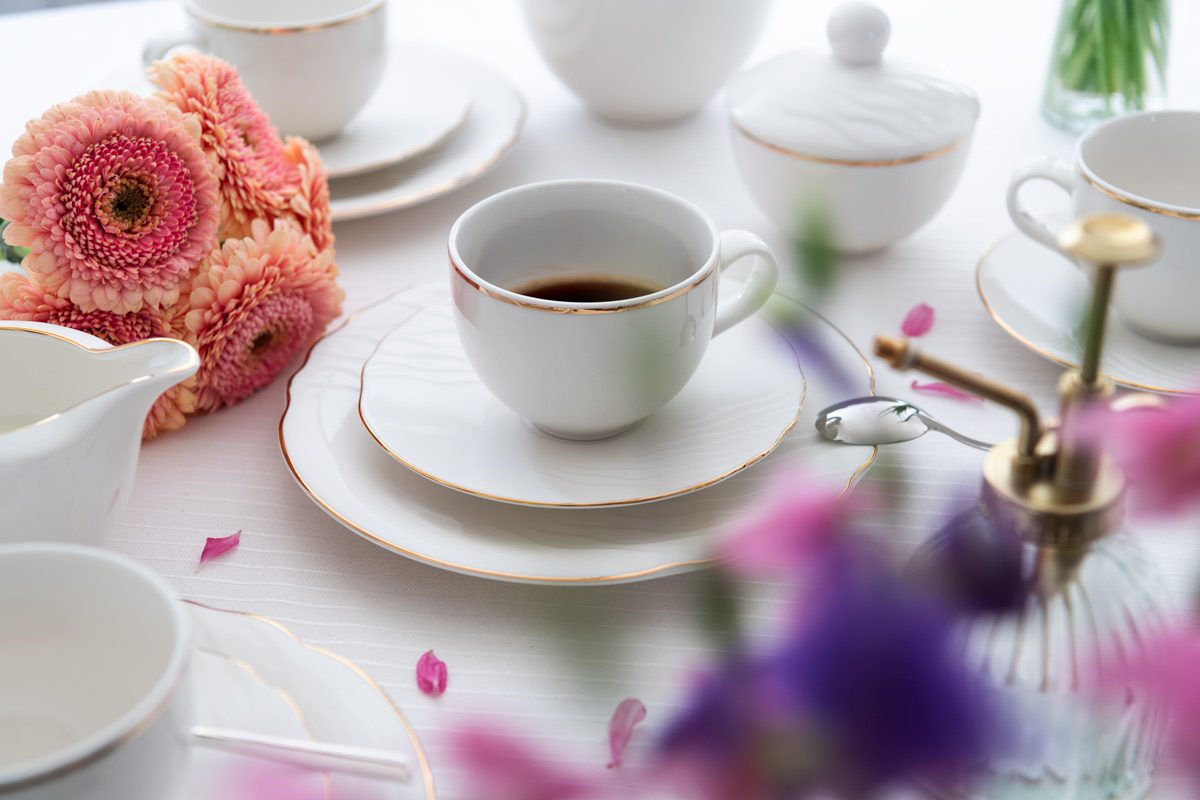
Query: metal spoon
[882, 420]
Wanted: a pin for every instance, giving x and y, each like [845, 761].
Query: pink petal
[629, 713]
[431, 674]
[918, 321]
[944, 390]
[219, 546]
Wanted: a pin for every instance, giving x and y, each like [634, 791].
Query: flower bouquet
[182, 215]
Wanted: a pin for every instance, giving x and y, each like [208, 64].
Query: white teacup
[94, 701]
[311, 64]
[589, 370]
[1144, 165]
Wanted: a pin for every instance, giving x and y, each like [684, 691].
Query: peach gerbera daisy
[252, 171]
[22, 299]
[255, 303]
[115, 199]
[309, 201]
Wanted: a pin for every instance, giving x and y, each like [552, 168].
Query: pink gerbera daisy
[255, 303]
[22, 299]
[309, 201]
[115, 199]
[251, 168]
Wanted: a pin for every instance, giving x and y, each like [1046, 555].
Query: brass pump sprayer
[1054, 487]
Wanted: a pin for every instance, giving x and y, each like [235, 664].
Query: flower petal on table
[943, 390]
[431, 674]
[219, 546]
[918, 321]
[629, 713]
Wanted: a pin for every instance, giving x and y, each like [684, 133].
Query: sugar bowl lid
[852, 104]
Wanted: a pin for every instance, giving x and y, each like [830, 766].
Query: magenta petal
[629, 713]
[918, 321]
[219, 546]
[431, 674]
[944, 390]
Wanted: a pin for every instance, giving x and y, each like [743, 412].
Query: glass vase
[1083, 599]
[1109, 58]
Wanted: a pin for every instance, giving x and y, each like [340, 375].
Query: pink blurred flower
[22, 299]
[1157, 445]
[257, 302]
[246, 148]
[115, 199]
[503, 767]
[309, 201]
[918, 321]
[803, 521]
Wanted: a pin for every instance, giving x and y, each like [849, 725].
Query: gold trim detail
[422, 759]
[362, 376]
[546, 579]
[101, 350]
[1153, 209]
[1041, 351]
[284, 30]
[438, 189]
[846, 162]
[578, 310]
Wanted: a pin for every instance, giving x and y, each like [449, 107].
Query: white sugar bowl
[869, 147]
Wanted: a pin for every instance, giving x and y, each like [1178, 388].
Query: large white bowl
[645, 60]
[868, 204]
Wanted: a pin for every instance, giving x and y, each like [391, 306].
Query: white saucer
[444, 424]
[417, 107]
[1040, 298]
[347, 474]
[250, 673]
[492, 127]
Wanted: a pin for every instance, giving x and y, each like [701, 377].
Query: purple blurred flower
[975, 564]
[867, 689]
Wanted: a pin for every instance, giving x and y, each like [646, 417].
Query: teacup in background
[311, 64]
[642, 61]
[94, 700]
[1145, 165]
[592, 370]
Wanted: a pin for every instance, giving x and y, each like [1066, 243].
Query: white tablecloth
[554, 662]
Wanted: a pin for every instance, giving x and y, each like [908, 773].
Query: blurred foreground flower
[504, 767]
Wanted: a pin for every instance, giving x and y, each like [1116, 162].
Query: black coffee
[587, 288]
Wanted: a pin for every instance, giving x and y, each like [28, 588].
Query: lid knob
[858, 31]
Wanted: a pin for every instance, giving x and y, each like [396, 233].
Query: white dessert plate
[251, 673]
[417, 107]
[1039, 298]
[424, 404]
[491, 129]
[344, 471]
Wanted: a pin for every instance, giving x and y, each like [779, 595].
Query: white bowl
[868, 204]
[640, 61]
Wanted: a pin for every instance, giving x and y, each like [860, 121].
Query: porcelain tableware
[71, 426]
[445, 425]
[1039, 297]
[345, 473]
[638, 61]
[251, 673]
[311, 64]
[883, 420]
[593, 370]
[94, 696]
[490, 131]
[1143, 165]
[867, 147]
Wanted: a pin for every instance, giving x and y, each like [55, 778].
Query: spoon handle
[934, 425]
[346, 759]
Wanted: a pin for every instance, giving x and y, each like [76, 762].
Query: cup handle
[1049, 169]
[736, 245]
[157, 47]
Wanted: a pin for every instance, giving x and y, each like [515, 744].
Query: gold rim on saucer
[650, 498]
[422, 759]
[465, 569]
[1038, 349]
